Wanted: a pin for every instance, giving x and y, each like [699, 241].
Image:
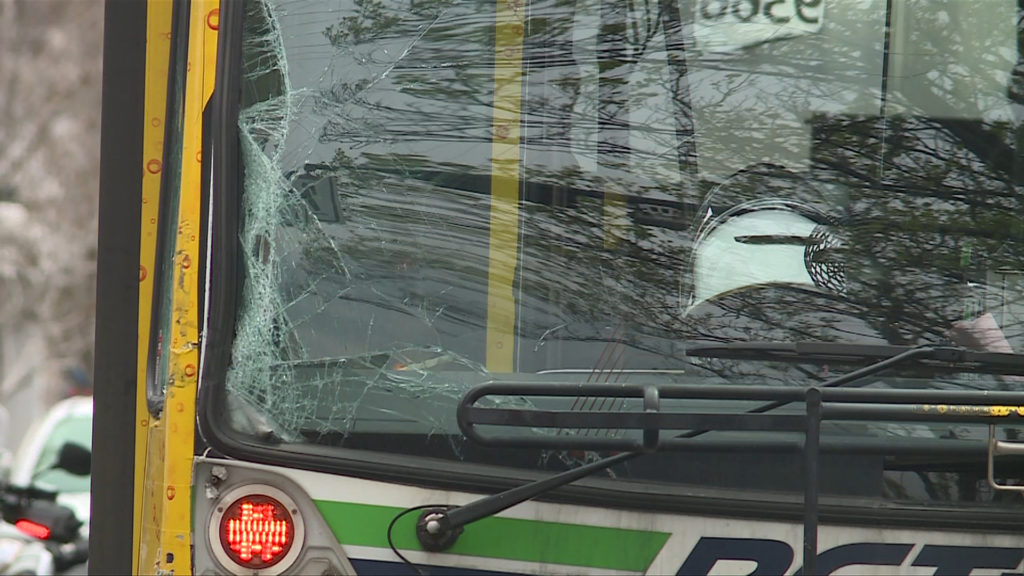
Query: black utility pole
[117, 285]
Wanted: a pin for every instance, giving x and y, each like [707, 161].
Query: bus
[560, 287]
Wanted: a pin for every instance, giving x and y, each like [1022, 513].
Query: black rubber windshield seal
[224, 197]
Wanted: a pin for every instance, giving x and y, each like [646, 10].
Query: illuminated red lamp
[33, 529]
[256, 531]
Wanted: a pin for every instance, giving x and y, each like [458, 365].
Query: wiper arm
[945, 358]
[438, 528]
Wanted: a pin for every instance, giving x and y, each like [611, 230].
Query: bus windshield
[440, 194]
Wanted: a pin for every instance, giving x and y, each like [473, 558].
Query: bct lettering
[775, 557]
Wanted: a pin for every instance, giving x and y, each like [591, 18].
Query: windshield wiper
[438, 527]
[943, 358]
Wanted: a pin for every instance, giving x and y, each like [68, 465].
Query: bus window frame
[213, 412]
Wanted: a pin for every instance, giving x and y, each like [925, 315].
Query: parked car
[69, 420]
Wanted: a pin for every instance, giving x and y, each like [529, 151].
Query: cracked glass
[441, 194]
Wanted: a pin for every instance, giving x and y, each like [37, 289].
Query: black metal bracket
[434, 530]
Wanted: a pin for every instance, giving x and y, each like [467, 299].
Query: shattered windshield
[440, 194]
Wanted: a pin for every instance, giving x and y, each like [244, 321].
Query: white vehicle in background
[39, 536]
[69, 420]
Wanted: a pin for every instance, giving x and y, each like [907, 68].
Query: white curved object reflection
[751, 249]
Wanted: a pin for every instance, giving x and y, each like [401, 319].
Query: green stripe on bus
[505, 538]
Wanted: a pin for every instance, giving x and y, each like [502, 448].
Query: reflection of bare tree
[49, 81]
[420, 113]
[619, 110]
[928, 216]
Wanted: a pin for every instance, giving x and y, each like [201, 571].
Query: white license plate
[726, 25]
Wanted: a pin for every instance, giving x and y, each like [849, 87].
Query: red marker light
[33, 529]
[256, 531]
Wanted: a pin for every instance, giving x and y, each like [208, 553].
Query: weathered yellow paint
[173, 521]
[158, 49]
[505, 166]
[995, 411]
[615, 216]
[152, 509]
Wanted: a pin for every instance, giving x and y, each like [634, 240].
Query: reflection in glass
[444, 193]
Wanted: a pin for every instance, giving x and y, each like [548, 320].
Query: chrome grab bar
[1004, 448]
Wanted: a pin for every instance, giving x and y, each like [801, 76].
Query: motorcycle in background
[37, 535]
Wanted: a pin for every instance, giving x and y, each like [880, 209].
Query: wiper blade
[438, 527]
[944, 358]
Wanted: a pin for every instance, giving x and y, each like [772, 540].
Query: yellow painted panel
[505, 166]
[150, 521]
[158, 48]
[179, 412]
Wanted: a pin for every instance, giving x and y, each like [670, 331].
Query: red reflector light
[33, 529]
[256, 531]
